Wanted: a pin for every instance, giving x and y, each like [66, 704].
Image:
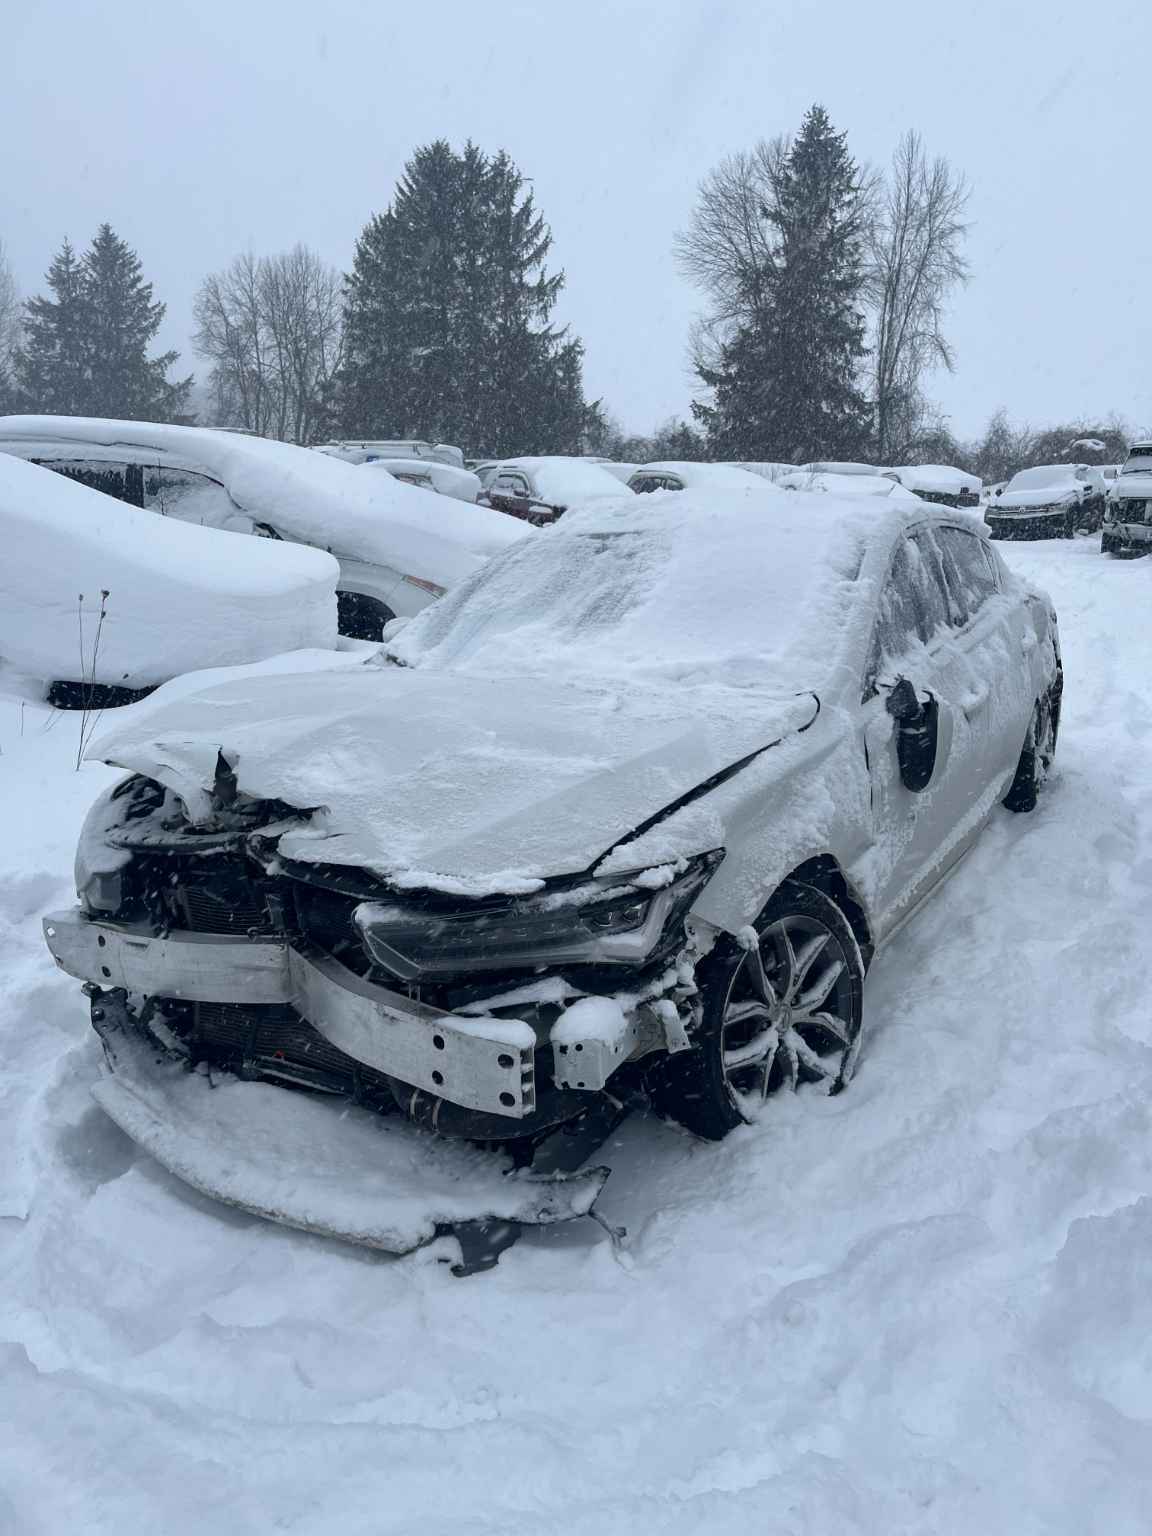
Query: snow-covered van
[1128, 509]
[397, 550]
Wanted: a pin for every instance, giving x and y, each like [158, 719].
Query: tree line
[825, 286]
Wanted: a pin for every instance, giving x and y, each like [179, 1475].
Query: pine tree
[122, 320]
[447, 311]
[786, 385]
[84, 350]
[51, 365]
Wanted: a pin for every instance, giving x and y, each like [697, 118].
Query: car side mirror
[902, 703]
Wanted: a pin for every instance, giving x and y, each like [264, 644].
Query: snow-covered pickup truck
[547, 852]
[397, 549]
[1128, 509]
[1050, 501]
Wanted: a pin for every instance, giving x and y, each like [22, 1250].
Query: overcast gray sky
[200, 130]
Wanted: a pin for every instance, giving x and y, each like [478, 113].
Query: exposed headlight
[609, 920]
[99, 866]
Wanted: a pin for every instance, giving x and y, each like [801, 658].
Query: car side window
[913, 607]
[969, 571]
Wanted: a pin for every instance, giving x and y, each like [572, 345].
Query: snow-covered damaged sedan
[1050, 501]
[1128, 510]
[627, 815]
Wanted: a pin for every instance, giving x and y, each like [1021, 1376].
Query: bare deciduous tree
[9, 310]
[729, 247]
[914, 244]
[271, 327]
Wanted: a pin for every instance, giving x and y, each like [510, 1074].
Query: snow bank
[178, 596]
[309, 496]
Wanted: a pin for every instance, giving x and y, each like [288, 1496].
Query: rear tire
[1036, 755]
[774, 1015]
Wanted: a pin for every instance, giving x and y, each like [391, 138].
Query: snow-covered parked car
[541, 489]
[943, 484]
[1049, 501]
[396, 549]
[365, 450]
[685, 475]
[447, 479]
[100, 600]
[562, 852]
[1128, 509]
[834, 483]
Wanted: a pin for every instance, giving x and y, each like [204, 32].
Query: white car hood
[446, 780]
[1041, 496]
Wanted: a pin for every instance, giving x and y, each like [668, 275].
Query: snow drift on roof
[566, 482]
[309, 496]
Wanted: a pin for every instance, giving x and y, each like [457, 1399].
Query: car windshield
[597, 597]
[1043, 475]
[1139, 460]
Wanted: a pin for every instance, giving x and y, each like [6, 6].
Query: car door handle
[1029, 642]
[971, 702]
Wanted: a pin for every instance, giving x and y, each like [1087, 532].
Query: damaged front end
[518, 1020]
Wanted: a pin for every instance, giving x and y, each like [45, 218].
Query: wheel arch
[825, 874]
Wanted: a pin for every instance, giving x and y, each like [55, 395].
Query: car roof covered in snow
[935, 477]
[751, 586]
[305, 496]
[700, 475]
[856, 486]
[175, 596]
[565, 480]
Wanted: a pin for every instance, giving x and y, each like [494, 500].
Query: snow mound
[175, 596]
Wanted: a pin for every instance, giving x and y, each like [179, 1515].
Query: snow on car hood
[308, 496]
[1131, 485]
[1038, 496]
[441, 780]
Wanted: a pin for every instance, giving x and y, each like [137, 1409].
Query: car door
[510, 492]
[918, 834]
[995, 637]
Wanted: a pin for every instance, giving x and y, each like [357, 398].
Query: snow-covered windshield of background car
[1139, 461]
[1045, 474]
[749, 583]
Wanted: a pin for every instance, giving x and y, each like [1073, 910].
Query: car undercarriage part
[318, 1164]
[93, 696]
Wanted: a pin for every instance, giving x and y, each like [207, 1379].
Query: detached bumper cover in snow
[485, 1064]
[319, 1164]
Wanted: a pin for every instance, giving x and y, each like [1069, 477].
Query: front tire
[361, 618]
[776, 1012]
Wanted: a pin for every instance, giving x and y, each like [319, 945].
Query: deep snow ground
[921, 1307]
